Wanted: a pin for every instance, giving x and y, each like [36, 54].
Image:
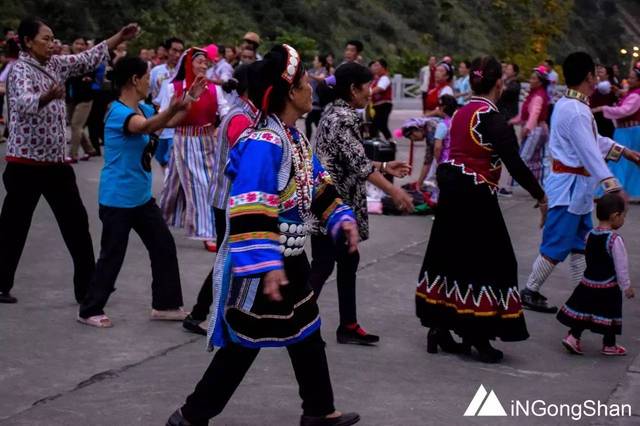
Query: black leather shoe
[536, 302]
[345, 419]
[357, 336]
[7, 298]
[193, 325]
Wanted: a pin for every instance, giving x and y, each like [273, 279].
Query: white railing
[409, 88]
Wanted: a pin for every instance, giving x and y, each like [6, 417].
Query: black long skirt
[469, 278]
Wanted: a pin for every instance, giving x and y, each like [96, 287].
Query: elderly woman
[279, 192]
[627, 117]
[36, 150]
[533, 117]
[185, 196]
[339, 147]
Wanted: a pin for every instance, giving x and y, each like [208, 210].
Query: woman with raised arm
[36, 150]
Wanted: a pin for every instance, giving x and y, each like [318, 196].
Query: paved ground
[54, 371]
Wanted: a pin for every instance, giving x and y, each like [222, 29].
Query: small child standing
[596, 303]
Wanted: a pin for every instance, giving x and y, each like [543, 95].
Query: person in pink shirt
[627, 118]
[533, 116]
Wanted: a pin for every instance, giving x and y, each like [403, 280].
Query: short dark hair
[576, 68]
[549, 62]
[466, 63]
[485, 72]
[78, 37]
[29, 27]
[126, 68]
[357, 44]
[6, 30]
[350, 74]
[609, 204]
[449, 104]
[516, 67]
[383, 63]
[168, 42]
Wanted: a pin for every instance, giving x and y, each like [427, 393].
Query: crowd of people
[242, 178]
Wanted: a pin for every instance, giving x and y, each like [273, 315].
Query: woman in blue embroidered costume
[279, 193]
[469, 278]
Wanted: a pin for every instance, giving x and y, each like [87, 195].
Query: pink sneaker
[616, 350]
[572, 345]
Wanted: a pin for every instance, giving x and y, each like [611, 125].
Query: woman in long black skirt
[469, 279]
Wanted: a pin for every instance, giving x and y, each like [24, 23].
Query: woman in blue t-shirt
[125, 196]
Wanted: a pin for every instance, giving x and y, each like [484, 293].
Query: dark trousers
[608, 339]
[95, 122]
[325, 255]
[205, 295]
[313, 117]
[146, 220]
[381, 120]
[230, 364]
[57, 183]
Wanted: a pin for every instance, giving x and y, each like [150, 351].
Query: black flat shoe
[486, 352]
[346, 419]
[356, 336]
[7, 298]
[438, 337]
[177, 419]
[535, 301]
[193, 325]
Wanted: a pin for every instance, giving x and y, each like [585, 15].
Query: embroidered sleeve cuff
[615, 152]
[611, 185]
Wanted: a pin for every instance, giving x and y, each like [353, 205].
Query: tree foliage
[405, 32]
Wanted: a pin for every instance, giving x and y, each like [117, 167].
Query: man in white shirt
[578, 166]
[160, 77]
[162, 72]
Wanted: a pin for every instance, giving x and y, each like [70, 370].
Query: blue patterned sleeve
[253, 167]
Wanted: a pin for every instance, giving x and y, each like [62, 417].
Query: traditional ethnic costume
[279, 193]
[596, 303]
[534, 115]
[627, 133]
[185, 196]
[241, 116]
[578, 155]
[464, 286]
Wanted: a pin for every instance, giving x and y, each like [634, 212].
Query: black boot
[440, 337]
[6, 297]
[486, 352]
[536, 302]
[345, 419]
[356, 336]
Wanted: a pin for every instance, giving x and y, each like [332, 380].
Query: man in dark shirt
[79, 101]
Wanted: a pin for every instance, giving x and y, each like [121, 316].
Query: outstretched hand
[197, 87]
[398, 169]
[129, 31]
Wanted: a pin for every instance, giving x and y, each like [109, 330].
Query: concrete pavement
[54, 371]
